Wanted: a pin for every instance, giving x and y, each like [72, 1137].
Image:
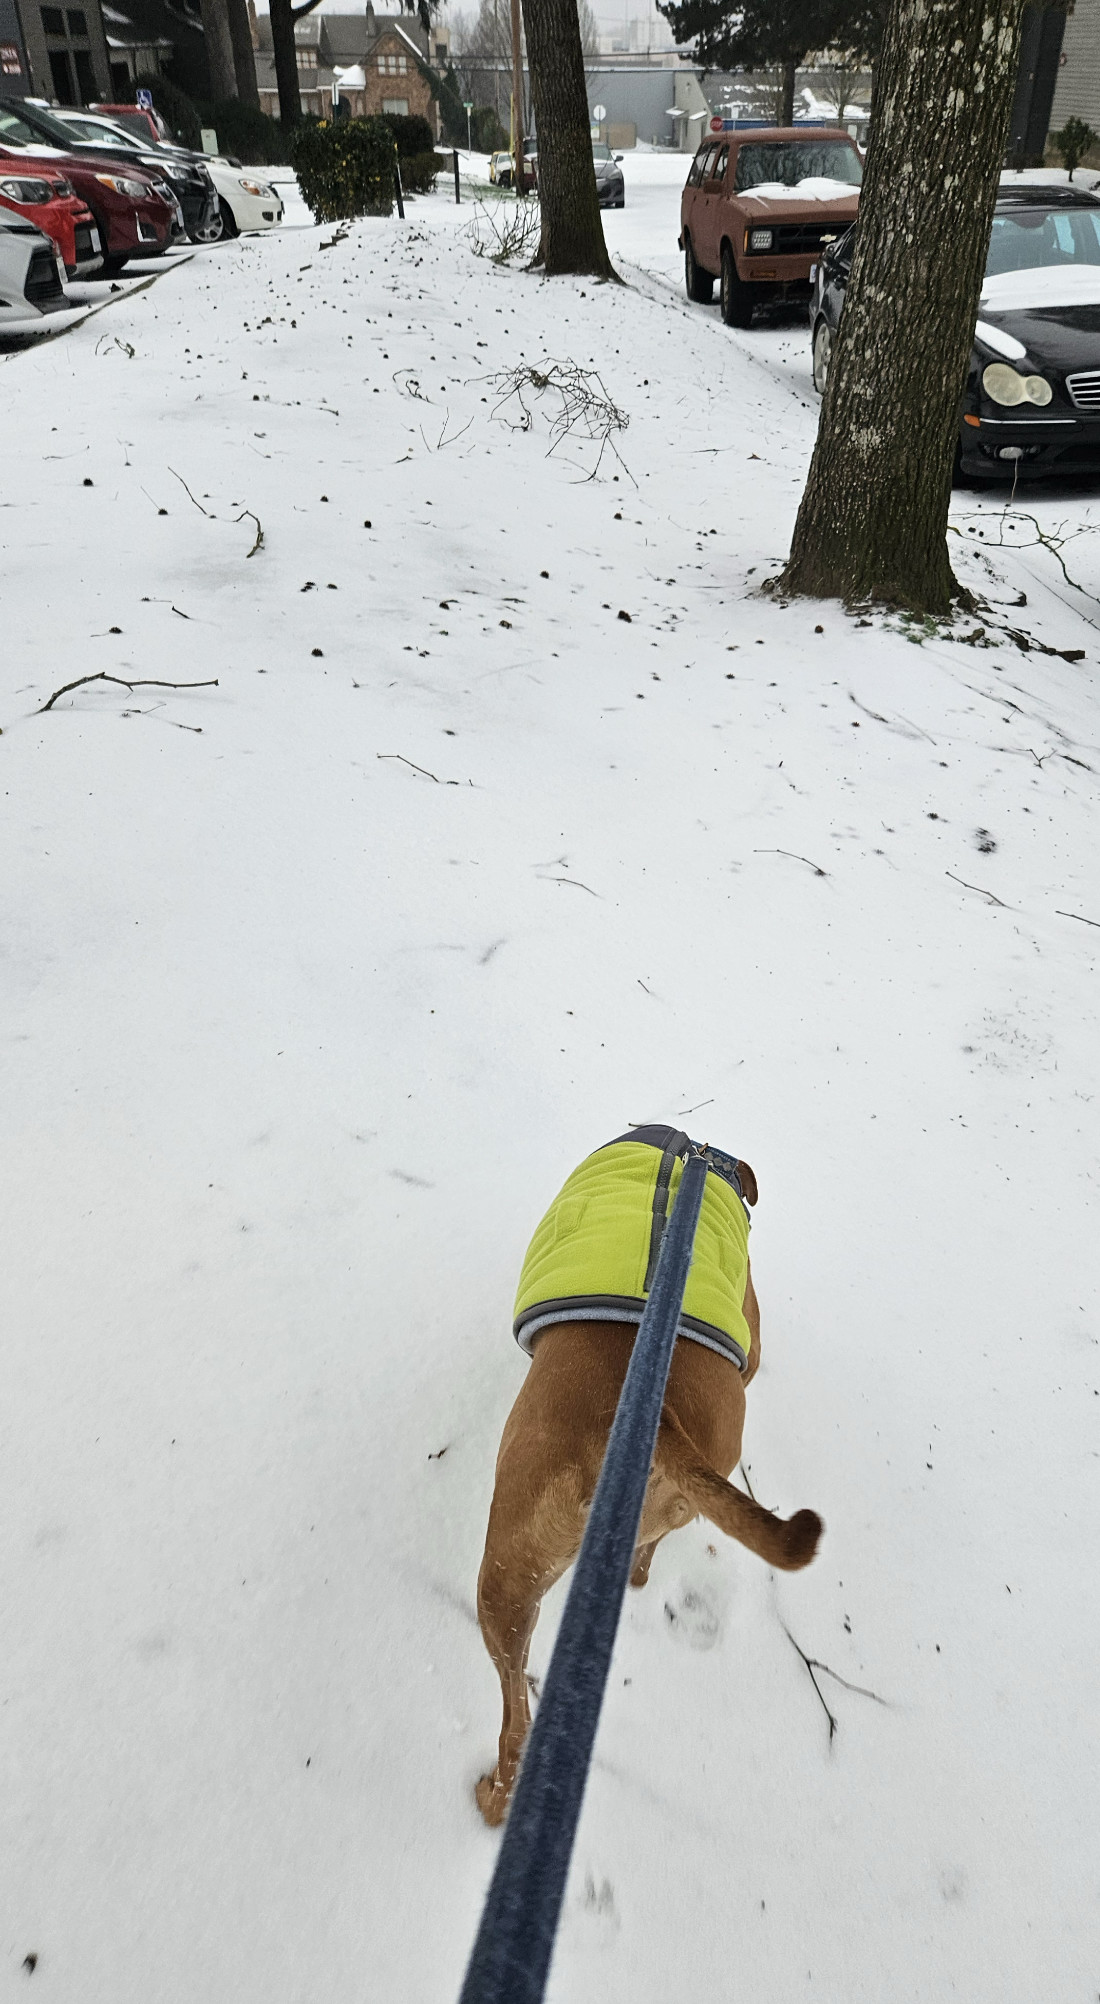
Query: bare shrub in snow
[584, 408]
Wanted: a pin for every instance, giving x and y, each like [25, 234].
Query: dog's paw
[492, 1800]
[692, 1617]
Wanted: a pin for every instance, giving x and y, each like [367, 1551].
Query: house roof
[347, 38]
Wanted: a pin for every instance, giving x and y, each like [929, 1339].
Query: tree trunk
[219, 49]
[572, 230]
[785, 108]
[244, 56]
[873, 519]
[286, 62]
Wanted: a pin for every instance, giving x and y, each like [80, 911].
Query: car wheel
[229, 220]
[212, 234]
[823, 355]
[112, 267]
[698, 283]
[736, 296]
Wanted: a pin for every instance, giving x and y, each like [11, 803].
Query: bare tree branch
[143, 683]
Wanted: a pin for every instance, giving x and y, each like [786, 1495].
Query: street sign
[717, 124]
[599, 113]
[144, 100]
[467, 107]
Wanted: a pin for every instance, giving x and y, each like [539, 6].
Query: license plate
[93, 239]
[61, 271]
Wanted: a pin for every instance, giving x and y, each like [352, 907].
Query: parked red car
[758, 208]
[134, 118]
[136, 213]
[43, 196]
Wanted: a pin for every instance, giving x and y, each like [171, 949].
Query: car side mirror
[618, 156]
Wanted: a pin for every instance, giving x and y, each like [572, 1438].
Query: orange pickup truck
[758, 208]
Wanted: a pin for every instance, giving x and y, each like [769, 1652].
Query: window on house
[441, 52]
[71, 69]
[307, 59]
[396, 107]
[393, 66]
[63, 87]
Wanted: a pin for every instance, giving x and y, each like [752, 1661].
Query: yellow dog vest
[594, 1255]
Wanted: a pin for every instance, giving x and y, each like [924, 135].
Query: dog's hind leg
[530, 1542]
[643, 1559]
[507, 1614]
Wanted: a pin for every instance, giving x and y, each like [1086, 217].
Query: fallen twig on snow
[982, 892]
[815, 867]
[586, 408]
[190, 496]
[422, 769]
[142, 682]
[247, 516]
[1081, 920]
[814, 1663]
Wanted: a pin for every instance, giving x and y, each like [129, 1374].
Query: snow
[1041, 285]
[1000, 342]
[815, 188]
[285, 1099]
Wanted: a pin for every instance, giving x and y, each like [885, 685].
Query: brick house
[376, 61]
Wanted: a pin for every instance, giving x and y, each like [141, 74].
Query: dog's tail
[788, 1543]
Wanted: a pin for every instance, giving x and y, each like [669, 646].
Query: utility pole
[517, 102]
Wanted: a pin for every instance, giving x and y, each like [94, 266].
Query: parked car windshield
[601, 152]
[15, 132]
[1033, 237]
[132, 121]
[99, 132]
[786, 162]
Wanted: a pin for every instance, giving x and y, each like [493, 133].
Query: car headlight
[33, 192]
[1007, 386]
[761, 239]
[122, 185]
[258, 188]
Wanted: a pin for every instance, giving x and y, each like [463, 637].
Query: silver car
[31, 274]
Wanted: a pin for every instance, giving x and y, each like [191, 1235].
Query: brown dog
[550, 1458]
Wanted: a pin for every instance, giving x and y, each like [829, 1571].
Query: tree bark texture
[873, 519]
[572, 228]
[286, 62]
[219, 49]
[785, 109]
[244, 56]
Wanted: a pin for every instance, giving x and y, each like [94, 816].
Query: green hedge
[344, 167]
[414, 136]
[418, 173]
[247, 133]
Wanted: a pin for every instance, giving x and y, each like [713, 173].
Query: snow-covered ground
[284, 1101]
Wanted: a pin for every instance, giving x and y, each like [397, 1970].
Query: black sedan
[610, 186]
[1031, 406]
[95, 138]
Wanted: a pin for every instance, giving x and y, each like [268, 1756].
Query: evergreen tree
[760, 34]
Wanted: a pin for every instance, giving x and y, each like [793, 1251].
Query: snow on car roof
[815, 188]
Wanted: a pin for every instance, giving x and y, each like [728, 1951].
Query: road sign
[599, 113]
[144, 100]
[467, 107]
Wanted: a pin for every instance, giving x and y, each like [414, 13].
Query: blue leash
[515, 1941]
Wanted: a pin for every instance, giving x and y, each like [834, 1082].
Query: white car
[248, 202]
[31, 276]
